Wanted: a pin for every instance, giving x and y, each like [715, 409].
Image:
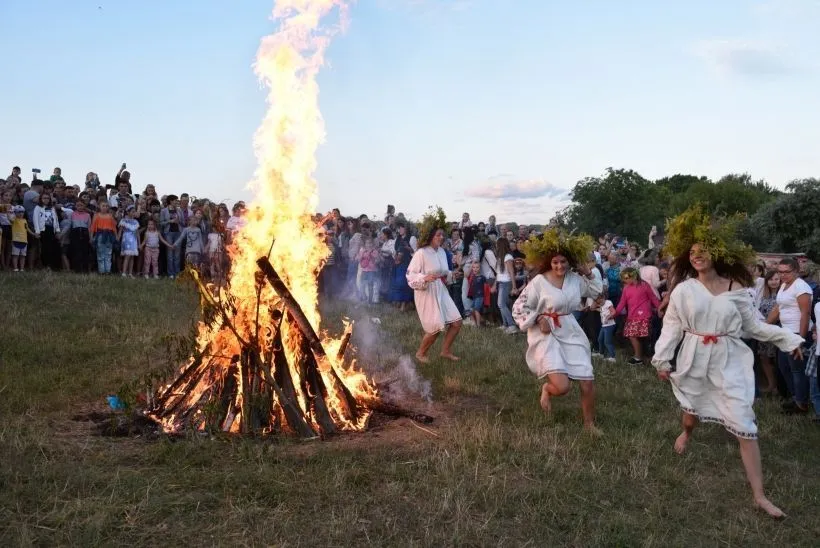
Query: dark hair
[502, 248]
[171, 197]
[682, 269]
[400, 224]
[546, 262]
[387, 232]
[426, 238]
[767, 292]
[791, 263]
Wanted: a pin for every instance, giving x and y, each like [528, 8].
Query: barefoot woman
[426, 274]
[558, 348]
[709, 311]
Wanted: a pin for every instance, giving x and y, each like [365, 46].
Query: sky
[487, 106]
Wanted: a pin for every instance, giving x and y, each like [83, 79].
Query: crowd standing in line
[110, 229]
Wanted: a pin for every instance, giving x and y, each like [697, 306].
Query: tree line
[623, 202]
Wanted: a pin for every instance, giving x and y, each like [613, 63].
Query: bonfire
[261, 365]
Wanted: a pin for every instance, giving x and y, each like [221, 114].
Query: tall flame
[285, 192]
[280, 226]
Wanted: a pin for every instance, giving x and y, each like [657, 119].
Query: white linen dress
[434, 305]
[714, 379]
[566, 349]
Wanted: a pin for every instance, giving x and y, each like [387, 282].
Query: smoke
[381, 358]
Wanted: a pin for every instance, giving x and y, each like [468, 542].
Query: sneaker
[146, 276]
[156, 276]
[123, 274]
[597, 354]
[610, 360]
[502, 327]
[634, 361]
[511, 330]
[17, 270]
[469, 322]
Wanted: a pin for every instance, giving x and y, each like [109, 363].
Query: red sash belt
[708, 338]
[554, 316]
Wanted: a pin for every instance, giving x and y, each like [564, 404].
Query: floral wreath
[556, 241]
[433, 220]
[717, 236]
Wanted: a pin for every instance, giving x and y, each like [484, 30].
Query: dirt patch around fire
[383, 430]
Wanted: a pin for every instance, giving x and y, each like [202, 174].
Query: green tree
[621, 201]
[789, 224]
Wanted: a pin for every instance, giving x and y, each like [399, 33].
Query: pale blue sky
[463, 103]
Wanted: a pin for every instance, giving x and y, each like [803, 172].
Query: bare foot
[681, 443]
[593, 430]
[422, 358]
[766, 505]
[546, 405]
[449, 356]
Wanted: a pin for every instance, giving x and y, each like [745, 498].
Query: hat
[18, 209]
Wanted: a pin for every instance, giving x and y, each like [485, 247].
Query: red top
[639, 300]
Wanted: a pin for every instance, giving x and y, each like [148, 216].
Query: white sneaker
[123, 274]
[597, 355]
[146, 276]
[610, 360]
[468, 322]
[511, 330]
[156, 276]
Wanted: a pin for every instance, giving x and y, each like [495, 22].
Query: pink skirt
[636, 328]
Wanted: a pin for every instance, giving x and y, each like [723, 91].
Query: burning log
[309, 333]
[376, 404]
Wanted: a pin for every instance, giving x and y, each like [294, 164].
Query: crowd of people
[713, 329]
[110, 229]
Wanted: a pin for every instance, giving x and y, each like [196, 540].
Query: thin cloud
[744, 59]
[787, 8]
[516, 190]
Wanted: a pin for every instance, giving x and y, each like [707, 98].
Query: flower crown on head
[717, 236]
[434, 219]
[556, 241]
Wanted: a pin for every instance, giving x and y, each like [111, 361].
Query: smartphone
[36, 170]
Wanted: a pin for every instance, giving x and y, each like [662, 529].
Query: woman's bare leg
[557, 384]
[750, 454]
[588, 406]
[688, 422]
[768, 372]
[426, 342]
[449, 337]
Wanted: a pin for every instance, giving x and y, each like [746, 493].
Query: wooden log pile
[258, 391]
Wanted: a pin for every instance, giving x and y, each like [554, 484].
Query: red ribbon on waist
[554, 316]
[708, 338]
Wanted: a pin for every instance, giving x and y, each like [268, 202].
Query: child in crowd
[194, 247]
[475, 292]
[20, 232]
[150, 245]
[103, 232]
[129, 240]
[368, 258]
[79, 239]
[216, 252]
[6, 217]
[638, 299]
[606, 336]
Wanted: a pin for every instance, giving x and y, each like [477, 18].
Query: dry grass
[498, 473]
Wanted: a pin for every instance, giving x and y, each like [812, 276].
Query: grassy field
[492, 470]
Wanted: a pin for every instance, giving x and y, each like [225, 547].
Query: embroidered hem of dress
[445, 326]
[564, 372]
[720, 421]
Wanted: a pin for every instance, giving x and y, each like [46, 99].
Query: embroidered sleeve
[415, 276]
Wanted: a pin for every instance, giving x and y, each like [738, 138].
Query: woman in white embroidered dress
[426, 275]
[558, 349]
[709, 312]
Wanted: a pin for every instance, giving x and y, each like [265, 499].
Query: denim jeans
[104, 241]
[794, 371]
[504, 289]
[814, 394]
[173, 255]
[606, 341]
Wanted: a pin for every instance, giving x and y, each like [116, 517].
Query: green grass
[497, 472]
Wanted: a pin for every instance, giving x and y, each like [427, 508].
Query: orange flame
[279, 225]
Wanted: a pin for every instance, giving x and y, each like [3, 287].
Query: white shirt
[787, 304]
[501, 270]
[488, 265]
[817, 329]
[607, 314]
